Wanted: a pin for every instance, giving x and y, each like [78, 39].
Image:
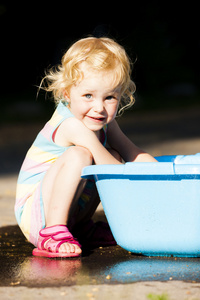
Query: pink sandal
[54, 237]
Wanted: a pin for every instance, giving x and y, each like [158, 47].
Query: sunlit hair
[101, 54]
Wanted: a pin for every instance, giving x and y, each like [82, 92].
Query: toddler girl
[90, 87]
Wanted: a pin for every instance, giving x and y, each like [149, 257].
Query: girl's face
[94, 100]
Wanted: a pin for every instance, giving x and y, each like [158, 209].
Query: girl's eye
[110, 97]
[88, 96]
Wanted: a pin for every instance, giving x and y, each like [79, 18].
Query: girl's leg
[90, 208]
[62, 186]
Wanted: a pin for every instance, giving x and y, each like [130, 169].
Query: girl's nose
[98, 106]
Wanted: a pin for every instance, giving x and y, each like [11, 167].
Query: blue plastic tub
[152, 208]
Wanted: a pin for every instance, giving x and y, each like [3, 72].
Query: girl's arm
[125, 147]
[73, 132]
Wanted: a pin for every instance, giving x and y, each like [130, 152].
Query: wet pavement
[109, 265]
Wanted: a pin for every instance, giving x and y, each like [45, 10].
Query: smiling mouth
[99, 119]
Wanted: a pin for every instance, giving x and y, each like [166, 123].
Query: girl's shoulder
[68, 130]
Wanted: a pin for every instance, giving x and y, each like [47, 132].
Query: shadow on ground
[109, 265]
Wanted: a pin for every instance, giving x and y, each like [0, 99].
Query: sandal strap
[54, 237]
[51, 230]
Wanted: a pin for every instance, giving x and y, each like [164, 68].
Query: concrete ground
[159, 133]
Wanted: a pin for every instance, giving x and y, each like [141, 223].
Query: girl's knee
[79, 155]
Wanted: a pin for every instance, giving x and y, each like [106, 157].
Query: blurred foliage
[158, 297]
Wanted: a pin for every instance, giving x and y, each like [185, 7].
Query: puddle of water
[110, 265]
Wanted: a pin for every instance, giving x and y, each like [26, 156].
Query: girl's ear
[66, 96]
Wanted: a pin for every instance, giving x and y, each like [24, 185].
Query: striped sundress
[43, 153]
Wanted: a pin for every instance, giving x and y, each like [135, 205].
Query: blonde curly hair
[101, 54]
